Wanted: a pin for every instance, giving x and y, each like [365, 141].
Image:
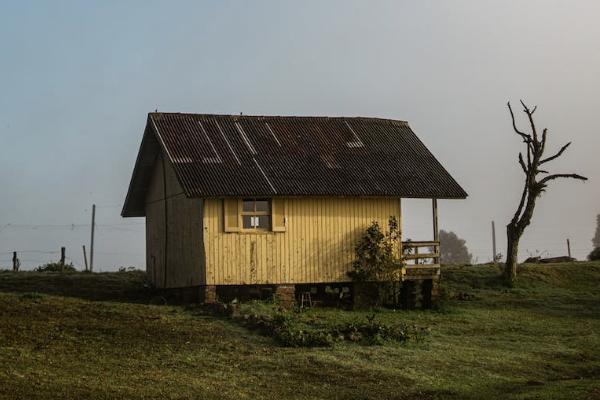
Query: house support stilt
[285, 295]
[208, 294]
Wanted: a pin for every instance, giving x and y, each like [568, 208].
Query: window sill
[255, 232]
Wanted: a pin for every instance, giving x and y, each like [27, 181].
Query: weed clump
[31, 296]
[289, 330]
[56, 267]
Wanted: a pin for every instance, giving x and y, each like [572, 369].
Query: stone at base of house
[285, 295]
[208, 294]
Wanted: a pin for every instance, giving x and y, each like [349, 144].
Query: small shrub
[595, 254]
[128, 269]
[56, 267]
[373, 332]
[289, 329]
[291, 336]
[375, 259]
[32, 296]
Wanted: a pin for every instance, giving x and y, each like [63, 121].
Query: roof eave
[128, 209]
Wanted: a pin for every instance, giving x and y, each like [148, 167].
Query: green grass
[95, 336]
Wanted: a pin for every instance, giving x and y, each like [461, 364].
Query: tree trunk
[533, 188]
[510, 268]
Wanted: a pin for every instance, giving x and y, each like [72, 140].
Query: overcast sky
[77, 79]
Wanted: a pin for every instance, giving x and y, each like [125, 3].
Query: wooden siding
[174, 234]
[317, 246]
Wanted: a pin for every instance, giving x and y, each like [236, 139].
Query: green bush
[595, 254]
[128, 269]
[290, 331]
[284, 330]
[32, 296]
[373, 332]
[375, 259]
[56, 267]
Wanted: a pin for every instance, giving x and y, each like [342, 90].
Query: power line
[31, 251]
[66, 226]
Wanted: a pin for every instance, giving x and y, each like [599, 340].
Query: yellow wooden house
[268, 201]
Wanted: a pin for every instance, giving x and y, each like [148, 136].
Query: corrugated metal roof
[229, 155]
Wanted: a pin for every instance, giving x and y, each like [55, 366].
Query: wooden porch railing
[429, 257]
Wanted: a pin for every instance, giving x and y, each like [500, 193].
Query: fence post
[62, 259]
[494, 251]
[92, 238]
[85, 258]
[416, 255]
[15, 260]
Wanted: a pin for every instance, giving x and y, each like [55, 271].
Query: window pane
[264, 222]
[248, 205]
[247, 221]
[262, 205]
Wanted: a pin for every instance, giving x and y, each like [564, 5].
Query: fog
[78, 78]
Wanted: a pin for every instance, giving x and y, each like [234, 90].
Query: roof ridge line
[253, 116]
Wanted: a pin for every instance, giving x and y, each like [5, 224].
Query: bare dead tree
[536, 181]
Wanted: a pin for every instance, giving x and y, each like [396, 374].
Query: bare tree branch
[544, 137]
[526, 138]
[517, 215]
[556, 176]
[545, 160]
[522, 163]
[529, 113]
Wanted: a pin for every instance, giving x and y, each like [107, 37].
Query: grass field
[81, 336]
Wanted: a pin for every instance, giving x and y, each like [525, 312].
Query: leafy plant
[369, 332]
[32, 296]
[296, 329]
[56, 267]
[128, 269]
[375, 256]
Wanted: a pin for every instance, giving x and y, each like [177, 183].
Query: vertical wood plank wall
[317, 246]
[155, 225]
[176, 233]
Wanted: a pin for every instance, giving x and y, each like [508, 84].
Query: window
[256, 214]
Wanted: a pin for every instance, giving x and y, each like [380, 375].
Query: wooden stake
[569, 247]
[434, 209]
[15, 261]
[85, 258]
[495, 253]
[92, 238]
[436, 231]
[62, 259]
